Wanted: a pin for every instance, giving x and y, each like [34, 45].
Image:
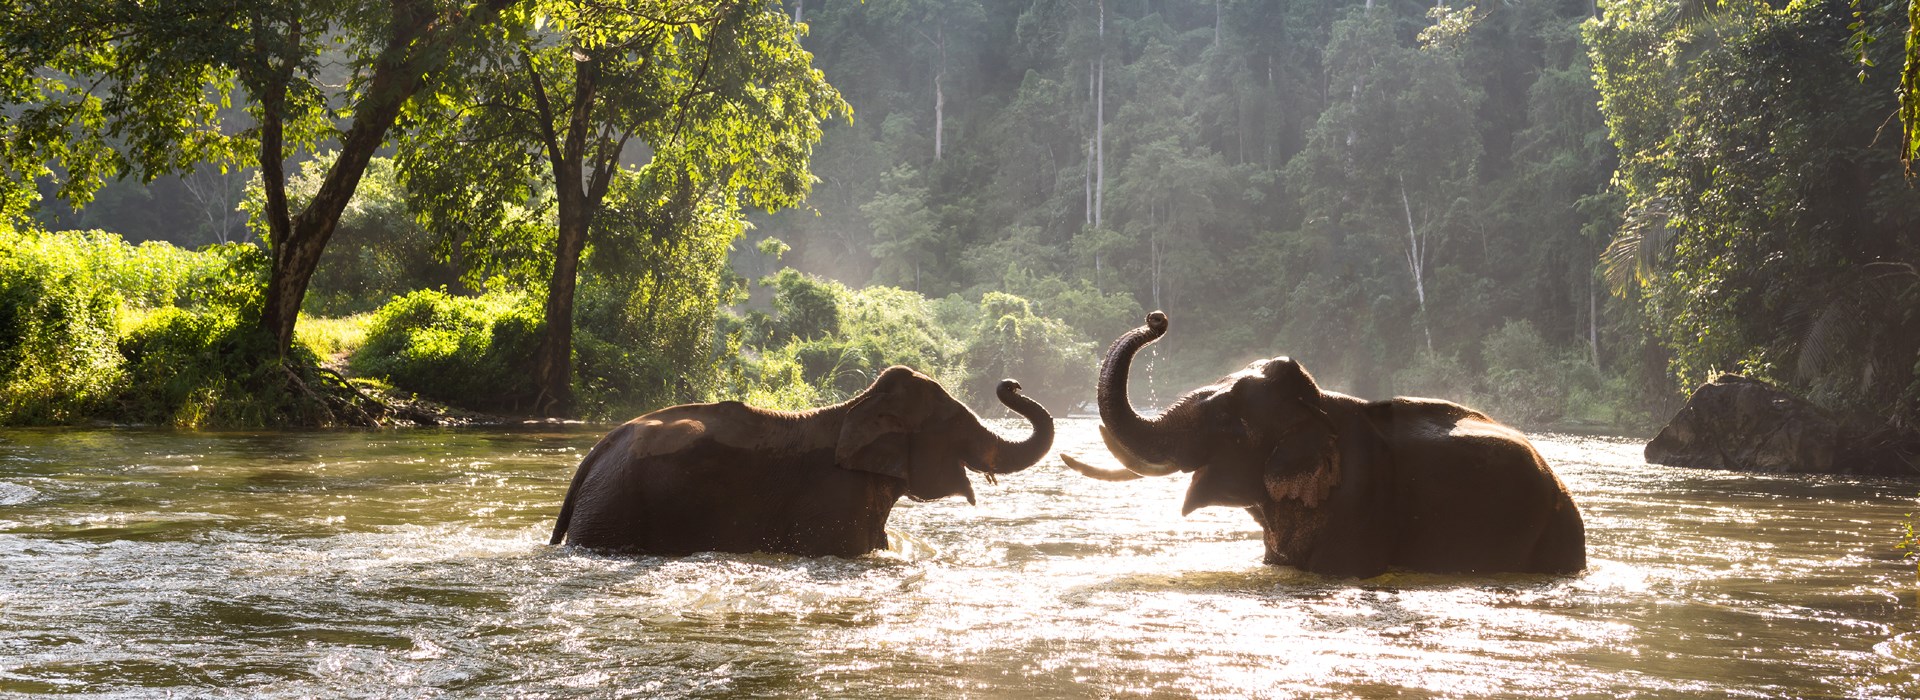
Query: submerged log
[1741, 424]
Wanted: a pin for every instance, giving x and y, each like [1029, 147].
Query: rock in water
[1745, 424]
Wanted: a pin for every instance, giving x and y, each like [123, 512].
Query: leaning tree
[115, 88]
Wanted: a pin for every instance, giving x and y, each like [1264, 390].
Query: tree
[1392, 155]
[906, 236]
[719, 95]
[111, 89]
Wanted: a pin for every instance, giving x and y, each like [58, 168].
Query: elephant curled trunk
[1142, 445]
[1005, 456]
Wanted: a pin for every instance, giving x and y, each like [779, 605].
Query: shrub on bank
[1524, 380]
[475, 352]
[1053, 365]
[94, 328]
[824, 342]
[58, 323]
[835, 340]
[215, 368]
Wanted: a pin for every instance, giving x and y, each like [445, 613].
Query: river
[413, 563]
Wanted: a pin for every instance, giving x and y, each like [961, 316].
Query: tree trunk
[553, 362]
[1153, 255]
[297, 255]
[939, 96]
[1100, 124]
[1087, 173]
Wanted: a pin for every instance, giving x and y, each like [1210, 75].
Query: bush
[216, 368]
[824, 342]
[881, 327]
[1051, 362]
[58, 323]
[1526, 380]
[901, 328]
[65, 300]
[805, 307]
[777, 381]
[473, 352]
[1438, 376]
[1096, 315]
[844, 338]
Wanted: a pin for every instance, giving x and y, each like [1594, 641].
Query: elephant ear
[1306, 464]
[874, 438]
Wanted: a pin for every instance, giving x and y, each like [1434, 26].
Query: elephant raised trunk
[1142, 445]
[1005, 456]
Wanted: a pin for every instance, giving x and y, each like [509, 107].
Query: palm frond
[1634, 252]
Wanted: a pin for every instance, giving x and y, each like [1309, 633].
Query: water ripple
[374, 564]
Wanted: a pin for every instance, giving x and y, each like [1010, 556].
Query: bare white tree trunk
[218, 195]
[1088, 183]
[799, 10]
[939, 97]
[1417, 263]
[1100, 123]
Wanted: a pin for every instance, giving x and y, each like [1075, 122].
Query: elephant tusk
[1090, 471]
[1131, 461]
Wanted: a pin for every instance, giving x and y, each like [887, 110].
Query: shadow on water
[1276, 582]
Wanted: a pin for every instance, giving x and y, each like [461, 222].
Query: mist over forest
[1409, 198]
[1566, 213]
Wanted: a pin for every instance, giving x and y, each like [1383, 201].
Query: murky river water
[413, 563]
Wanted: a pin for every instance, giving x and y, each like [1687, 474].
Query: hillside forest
[1564, 212]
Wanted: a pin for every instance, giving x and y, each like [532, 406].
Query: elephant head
[906, 426]
[1263, 433]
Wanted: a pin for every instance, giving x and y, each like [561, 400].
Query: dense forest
[1562, 212]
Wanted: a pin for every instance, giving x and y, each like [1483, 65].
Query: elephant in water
[729, 477]
[1344, 486]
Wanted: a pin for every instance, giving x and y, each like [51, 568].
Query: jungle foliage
[1556, 210]
[1766, 228]
[834, 340]
[1409, 199]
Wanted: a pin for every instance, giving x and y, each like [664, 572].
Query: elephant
[729, 477]
[1342, 486]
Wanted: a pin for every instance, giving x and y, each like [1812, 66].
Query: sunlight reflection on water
[410, 562]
